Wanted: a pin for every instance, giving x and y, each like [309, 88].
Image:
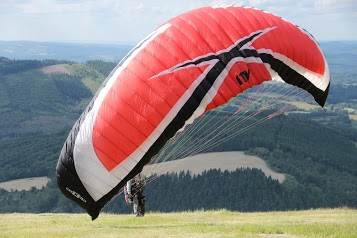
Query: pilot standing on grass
[134, 194]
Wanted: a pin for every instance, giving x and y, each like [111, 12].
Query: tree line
[244, 190]
[8, 66]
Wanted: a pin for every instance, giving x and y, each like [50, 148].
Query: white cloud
[334, 3]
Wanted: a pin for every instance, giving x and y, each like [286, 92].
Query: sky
[129, 21]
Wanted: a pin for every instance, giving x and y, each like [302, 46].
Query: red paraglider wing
[191, 64]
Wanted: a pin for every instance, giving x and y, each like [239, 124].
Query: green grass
[312, 223]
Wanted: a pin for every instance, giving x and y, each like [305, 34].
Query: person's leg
[135, 205]
[142, 207]
[142, 204]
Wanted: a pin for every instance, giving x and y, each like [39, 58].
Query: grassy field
[305, 106]
[312, 223]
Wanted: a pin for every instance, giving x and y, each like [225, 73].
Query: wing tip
[322, 97]
[94, 214]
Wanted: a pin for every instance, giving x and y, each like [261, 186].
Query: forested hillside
[40, 101]
[33, 101]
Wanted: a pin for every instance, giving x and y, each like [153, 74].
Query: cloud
[334, 3]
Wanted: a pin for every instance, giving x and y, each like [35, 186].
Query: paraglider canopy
[193, 63]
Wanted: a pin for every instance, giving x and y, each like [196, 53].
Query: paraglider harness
[137, 197]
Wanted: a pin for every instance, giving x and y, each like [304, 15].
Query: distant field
[25, 184]
[293, 224]
[304, 106]
[230, 161]
[56, 69]
[353, 117]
